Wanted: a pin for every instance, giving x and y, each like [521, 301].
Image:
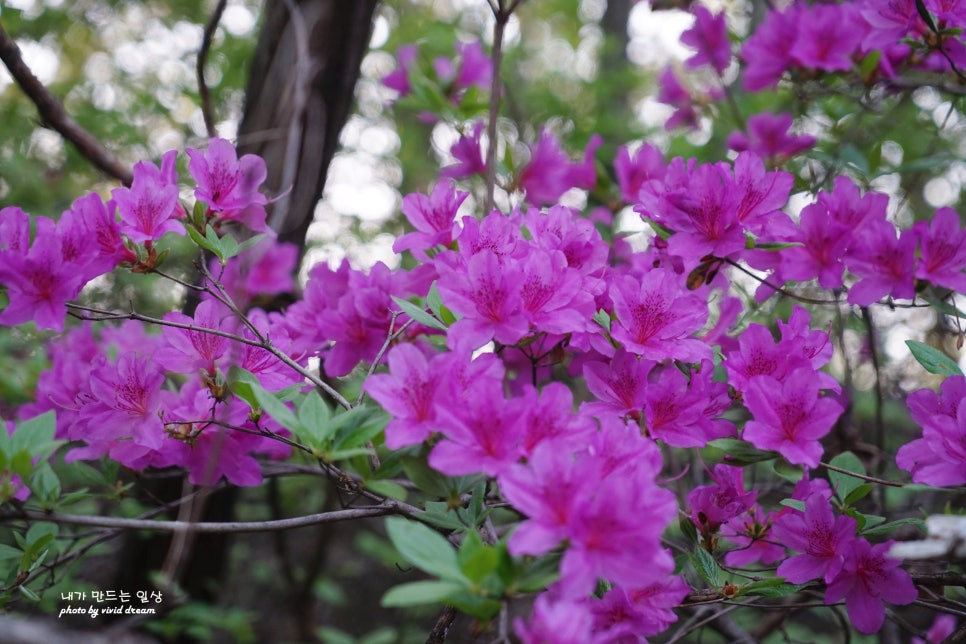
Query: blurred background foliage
[125, 71]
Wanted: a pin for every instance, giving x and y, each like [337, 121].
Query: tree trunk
[299, 96]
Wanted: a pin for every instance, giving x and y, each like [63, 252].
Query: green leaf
[36, 433]
[858, 494]
[420, 592]
[439, 514]
[435, 303]
[776, 245]
[843, 484]
[9, 552]
[240, 383]
[933, 360]
[198, 213]
[943, 306]
[707, 567]
[248, 244]
[741, 452]
[793, 503]
[29, 594]
[418, 314]
[44, 482]
[868, 65]
[886, 528]
[369, 423]
[424, 548]
[314, 415]
[925, 15]
[205, 241]
[427, 479]
[688, 529]
[387, 488]
[537, 575]
[602, 318]
[476, 559]
[212, 238]
[771, 588]
[277, 409]
[483, 608]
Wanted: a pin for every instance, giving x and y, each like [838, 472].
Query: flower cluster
[853, 569]
[526, 348]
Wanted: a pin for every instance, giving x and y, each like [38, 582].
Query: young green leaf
[418, 314]
[933, 360]
[843, 484]
[209, 241]
[424, 548]
[706, 567]
[417, 593]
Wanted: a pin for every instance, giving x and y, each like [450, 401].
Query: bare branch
[53, 115]
[226, 527]
[203, 91]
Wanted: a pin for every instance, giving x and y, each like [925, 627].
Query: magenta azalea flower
[488, 300]
[475, 69]
[207, 450]
[767, 53]
[433, 217]
[714, 505]
[408, 393]
[619, 386]
[149, 208]
[885, 263]
[559, 620]
[468, 152]
[39, 281]
[709, 36]
[942, 250]
[683, 412]
[550, 172]
[824, 242]
[124, 417]
[229, 185]
[939, 457]
[657, 317]
[398, 79]
[483, 432]
[790, 416]
[751, 532]
[818, 535]
[827, 37]
[768, 137]
[868, 578]
[632, 173]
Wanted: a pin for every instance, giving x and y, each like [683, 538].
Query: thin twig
[383, 509]
[203, 91]
[392, 337]
[52, 112]
[261, 341]
[501, 17]
[864, 477]
[441, 629]
[779, 289]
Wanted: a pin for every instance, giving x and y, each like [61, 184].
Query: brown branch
[53, 115]
[864, 477]
[203, 91]
[441, 629]
[380, 510]
[501, 17]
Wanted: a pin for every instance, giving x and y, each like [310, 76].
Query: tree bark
[299, 95]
